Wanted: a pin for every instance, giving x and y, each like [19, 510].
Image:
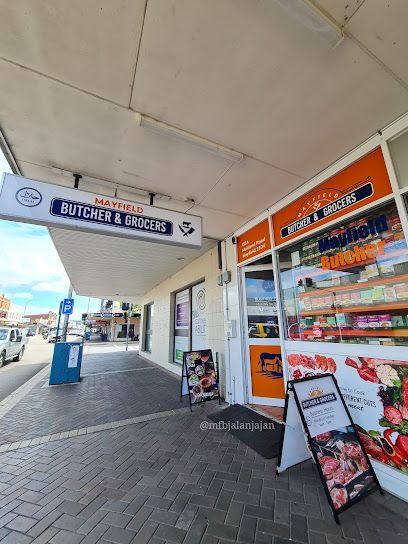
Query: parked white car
[52, 337]
[12, 344]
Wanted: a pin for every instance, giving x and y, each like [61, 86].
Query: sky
[31, 272]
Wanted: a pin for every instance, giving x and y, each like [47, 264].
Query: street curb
[9, 402]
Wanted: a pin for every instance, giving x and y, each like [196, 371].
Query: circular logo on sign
[315, 392]
[201, 301]
[27, 196]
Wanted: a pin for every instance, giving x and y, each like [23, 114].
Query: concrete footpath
[117, 458]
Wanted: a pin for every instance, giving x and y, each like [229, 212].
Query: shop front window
[349, 284]
[189, 321]
[122, 331]
[262, 310]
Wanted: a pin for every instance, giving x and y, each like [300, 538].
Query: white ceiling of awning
[130, 268]
[240, 73]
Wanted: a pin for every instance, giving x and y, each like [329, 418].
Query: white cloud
[57, 286]
[79, 308]
[27, 296]
[34, 310]
[29, 258]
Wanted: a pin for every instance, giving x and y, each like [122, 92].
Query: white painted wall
[203, 268]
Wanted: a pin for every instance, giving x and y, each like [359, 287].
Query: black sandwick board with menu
[199, 377]
[341, 460]
[258, 432]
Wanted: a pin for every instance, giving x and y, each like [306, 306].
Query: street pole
[25, 306]
[128, 326]
[59, 321]
[66, 317]
[87, 313]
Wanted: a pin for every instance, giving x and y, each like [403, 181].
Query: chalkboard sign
[334, 443]
[200, 376]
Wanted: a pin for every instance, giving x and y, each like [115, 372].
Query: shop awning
[221, 80]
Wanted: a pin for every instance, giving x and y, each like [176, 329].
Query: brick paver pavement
[114, 387]
[166, 480]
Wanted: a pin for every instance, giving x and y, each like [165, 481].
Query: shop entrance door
[261, 325]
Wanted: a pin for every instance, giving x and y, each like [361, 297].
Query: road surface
[37, 354]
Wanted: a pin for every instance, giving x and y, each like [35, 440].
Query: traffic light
[125, 306]
[84, 316]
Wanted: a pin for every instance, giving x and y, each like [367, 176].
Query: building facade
[4, 306]
[317, 283]
[15, 313]
[49, 319]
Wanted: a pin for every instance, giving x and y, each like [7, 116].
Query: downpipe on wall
[230, 397]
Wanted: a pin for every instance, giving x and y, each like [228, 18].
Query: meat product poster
[343, 465]
[376, 394]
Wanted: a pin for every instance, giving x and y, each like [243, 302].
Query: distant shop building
[4, 306]
[15, 313]
[112, 322]
[50, 319]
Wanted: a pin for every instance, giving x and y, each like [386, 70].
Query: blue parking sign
[68, 306]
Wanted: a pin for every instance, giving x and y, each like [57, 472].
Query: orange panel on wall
[363, 182]
[254, 242]
[267, 372]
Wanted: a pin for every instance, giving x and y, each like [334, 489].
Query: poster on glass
[261, 303]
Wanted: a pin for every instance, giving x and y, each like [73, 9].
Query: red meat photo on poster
[391, 445]
[303, 366]
[344, 465]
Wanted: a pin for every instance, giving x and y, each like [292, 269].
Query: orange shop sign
[254, 242]
[363, 182]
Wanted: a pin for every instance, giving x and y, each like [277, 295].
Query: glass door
[263, 348]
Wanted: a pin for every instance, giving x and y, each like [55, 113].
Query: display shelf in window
[355, 279]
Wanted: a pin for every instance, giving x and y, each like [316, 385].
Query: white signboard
[26, 200]
[73, 356]
[337, 449]
[198, 316]
[294, 448]
[321, 405]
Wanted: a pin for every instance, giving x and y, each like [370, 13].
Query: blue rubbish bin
[66, 363]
